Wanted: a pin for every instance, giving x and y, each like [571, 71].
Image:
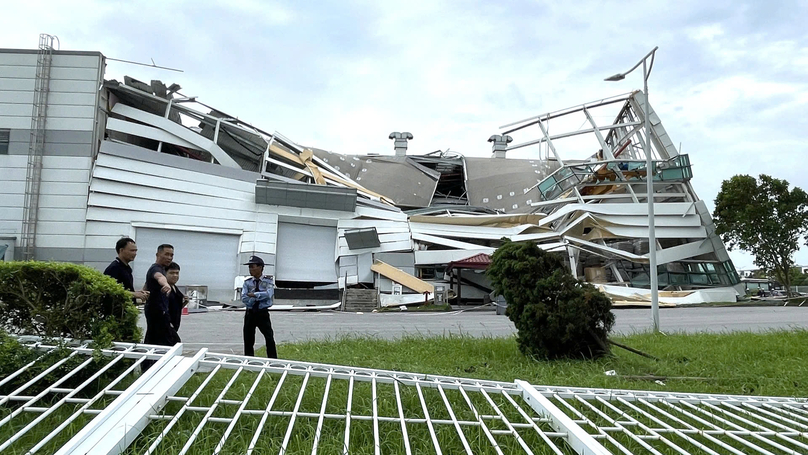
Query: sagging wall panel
[393, 235]
[142, 194]
[130, 194]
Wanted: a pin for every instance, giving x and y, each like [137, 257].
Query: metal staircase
[364, 300]
[36, 148]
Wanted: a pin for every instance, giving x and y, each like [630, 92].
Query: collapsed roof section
[593, 210]
[162, 119]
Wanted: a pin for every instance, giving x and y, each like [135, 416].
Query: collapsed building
[85, 161]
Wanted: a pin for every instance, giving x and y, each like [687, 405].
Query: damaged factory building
[86, 161]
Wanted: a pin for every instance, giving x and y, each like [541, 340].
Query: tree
[555, 315]
[797, 277]
[764, 218]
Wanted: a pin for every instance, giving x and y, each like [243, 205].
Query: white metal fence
[215, 403]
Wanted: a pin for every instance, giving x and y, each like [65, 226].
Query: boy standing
[256, 294]
[176, 300]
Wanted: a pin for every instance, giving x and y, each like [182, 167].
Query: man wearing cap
[256, 294]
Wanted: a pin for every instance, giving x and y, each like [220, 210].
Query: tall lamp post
[649, 177]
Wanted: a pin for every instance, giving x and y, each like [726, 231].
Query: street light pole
[649, 178]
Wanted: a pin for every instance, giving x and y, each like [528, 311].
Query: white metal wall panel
[54, 111]
[363, 266]
[114, 188]
[62, 201]
[123, 215]
[21, 123]
[306, 253]
[59, 60]
[177, 175]
[70, 75]
[446, 256]
[62, 73]
[393, 235]
[54, 99]
[157, 181]
[206, 259]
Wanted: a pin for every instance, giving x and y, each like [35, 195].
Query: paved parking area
[221, 331]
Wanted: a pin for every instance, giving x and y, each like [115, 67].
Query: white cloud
[729, 81]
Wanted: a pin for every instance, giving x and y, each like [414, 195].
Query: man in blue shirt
[256, 294]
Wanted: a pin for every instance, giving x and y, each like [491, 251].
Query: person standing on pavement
[257, 295]
[121, 271]
[158, 318]
[176, 300]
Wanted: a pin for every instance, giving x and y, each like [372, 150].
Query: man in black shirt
[158, 318]
[121, 271]
[176, 299]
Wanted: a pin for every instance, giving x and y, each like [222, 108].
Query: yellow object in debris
[400, 276]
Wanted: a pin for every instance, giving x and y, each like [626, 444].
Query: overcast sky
[730, 81]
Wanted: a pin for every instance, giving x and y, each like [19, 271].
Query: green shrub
[13, 355]
[556, 315]
[54, 299]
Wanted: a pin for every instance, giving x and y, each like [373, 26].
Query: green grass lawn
[771, 363]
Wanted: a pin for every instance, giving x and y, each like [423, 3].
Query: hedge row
[56, 299]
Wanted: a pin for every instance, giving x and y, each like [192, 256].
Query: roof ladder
[36, 148]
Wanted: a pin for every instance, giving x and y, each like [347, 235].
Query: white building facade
[139, 160]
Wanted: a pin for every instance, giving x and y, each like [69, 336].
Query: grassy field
[772, 363]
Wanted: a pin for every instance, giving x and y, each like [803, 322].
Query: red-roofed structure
[477, 262]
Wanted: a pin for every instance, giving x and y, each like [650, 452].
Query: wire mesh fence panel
[65, 400]
[636, 422]
[47, 400]
[250, 405]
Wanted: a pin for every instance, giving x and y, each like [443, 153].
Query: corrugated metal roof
[479, 261]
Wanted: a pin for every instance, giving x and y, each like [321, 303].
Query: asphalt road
[221, 331]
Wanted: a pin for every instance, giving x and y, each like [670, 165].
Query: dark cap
[255, 260]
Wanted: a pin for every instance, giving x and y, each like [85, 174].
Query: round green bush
[556, 315]
[56, 299]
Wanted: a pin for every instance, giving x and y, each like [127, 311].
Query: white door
[205, 259]
[306, 253]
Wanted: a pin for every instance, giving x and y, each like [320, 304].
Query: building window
[4, 139]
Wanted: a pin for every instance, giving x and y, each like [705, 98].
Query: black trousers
[258, 319]
[158, 331]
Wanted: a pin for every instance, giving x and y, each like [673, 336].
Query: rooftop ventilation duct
[500, 145]
[400, 142]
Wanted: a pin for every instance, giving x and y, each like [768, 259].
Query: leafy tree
[555, 314]
[764, 218]
[798, 278]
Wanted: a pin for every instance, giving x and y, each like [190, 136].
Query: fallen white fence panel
[218, 403]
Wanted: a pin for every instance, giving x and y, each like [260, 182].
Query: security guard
[257, 295]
